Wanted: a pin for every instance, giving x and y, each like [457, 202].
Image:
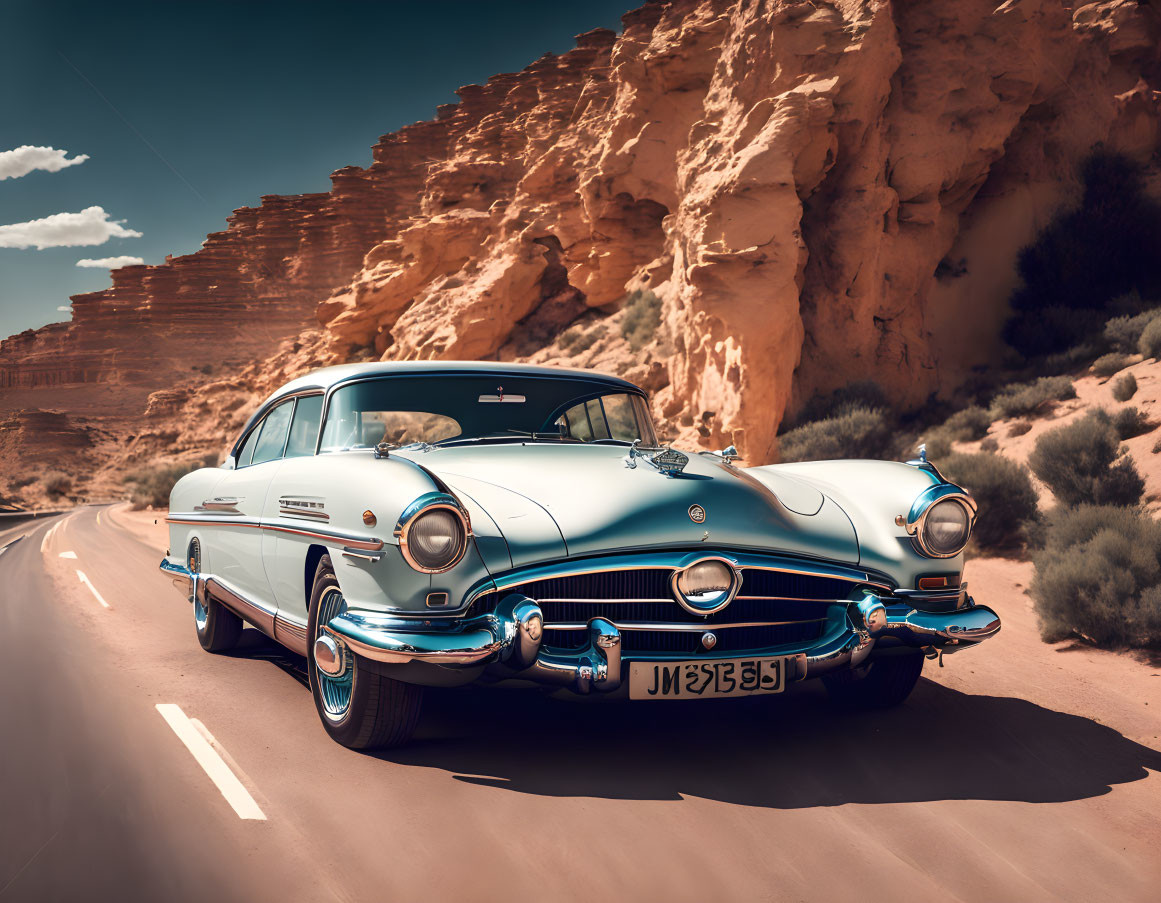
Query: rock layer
[797, 194]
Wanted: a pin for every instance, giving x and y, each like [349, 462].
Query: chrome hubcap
[334, 691]
[194, 562]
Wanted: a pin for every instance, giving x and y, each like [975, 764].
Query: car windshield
[450, 409]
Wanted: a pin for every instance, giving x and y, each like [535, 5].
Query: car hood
[548, 501]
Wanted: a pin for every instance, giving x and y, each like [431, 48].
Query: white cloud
[91, 226]
[110, 262]
[26, 159]
[65, 308]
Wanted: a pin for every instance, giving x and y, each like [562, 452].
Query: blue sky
[189, 110]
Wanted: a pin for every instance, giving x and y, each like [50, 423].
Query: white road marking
[92, 589]
[68, 554]
[47, 536]
[98, 517]
[12, 543]
[207, 757]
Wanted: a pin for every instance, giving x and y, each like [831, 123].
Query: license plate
[706, 679]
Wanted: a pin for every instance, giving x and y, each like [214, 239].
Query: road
[1010, 775]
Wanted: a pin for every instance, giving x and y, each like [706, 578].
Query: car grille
[644, 596]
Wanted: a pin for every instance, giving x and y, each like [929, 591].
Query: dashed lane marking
[98, 518]
[68, 554]
[92, 589]
[201, 746]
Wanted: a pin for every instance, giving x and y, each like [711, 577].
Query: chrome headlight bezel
[433, 501]
[710, 602]
[916, 520]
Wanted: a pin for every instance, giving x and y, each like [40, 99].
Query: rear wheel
[358, 708]
[217, 627]
[880, 684]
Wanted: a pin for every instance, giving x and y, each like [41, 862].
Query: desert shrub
[642, 318]
[1099, 577]
[1020, 428]
[577, 339]
[1086, 258]
[969, 424]
[857, 433]
[151, 486]
[1110, 364]
[1004, 492]
[989, 445]
[1081, 463]
[861, 395]
[56, 484]
[1125, 387]
[1029, 399]
[1150, 341]
[937, 443]
[21, 482]
[1130, 422]
[1124, 333]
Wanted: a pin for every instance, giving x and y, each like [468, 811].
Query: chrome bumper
[509, 642]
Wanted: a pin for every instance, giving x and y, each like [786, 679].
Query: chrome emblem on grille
[697, 514]
[708, 640]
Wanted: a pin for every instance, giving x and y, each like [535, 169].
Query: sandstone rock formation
[807, 193]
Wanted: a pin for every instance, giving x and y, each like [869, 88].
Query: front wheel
[358, 708]
[880, 684]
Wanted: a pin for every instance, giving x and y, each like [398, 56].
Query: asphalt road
[512, 795]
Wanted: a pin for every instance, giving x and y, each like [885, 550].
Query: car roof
[328, 377]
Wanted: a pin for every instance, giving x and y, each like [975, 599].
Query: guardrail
[15, 517]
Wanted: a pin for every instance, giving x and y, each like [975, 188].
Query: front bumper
[508, 643]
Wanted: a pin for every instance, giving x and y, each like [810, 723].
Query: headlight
[940, 522]
[946, 527]
[433, 533]
[705, 586]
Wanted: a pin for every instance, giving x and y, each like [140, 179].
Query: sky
[131, 130]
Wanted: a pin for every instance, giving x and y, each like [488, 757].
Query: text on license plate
[706, 679]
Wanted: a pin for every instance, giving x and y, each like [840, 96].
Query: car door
[237, 547]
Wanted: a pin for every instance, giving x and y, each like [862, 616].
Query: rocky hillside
[736, 205]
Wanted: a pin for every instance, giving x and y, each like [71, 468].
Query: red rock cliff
[735, 204]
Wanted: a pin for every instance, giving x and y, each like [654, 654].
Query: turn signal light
[939, 582]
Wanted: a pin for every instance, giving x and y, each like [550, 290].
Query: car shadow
[781, 752]
[789, 752]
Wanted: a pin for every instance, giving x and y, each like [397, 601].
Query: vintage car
[432, 524]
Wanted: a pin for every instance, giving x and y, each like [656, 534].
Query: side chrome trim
[290, 634]
[258, 615]
[331, 537]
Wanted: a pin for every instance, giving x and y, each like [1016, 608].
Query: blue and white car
[434, 524]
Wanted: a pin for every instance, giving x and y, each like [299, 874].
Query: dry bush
[1129, 422]
[1020, 428]
[1099, 577]
[56, 484]
[1004, 492]
[642, 318]
[1082, 463]
[1110, 364]
[857, 433]
[1150, 343]
[151, 486]
[1124, 333]
[1033, 398]
[1125, 387]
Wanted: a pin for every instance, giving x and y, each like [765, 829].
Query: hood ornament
[668, 460]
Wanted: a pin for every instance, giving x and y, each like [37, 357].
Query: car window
[614, 416]
[246, 453]
[272, 434]
[304, 427]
